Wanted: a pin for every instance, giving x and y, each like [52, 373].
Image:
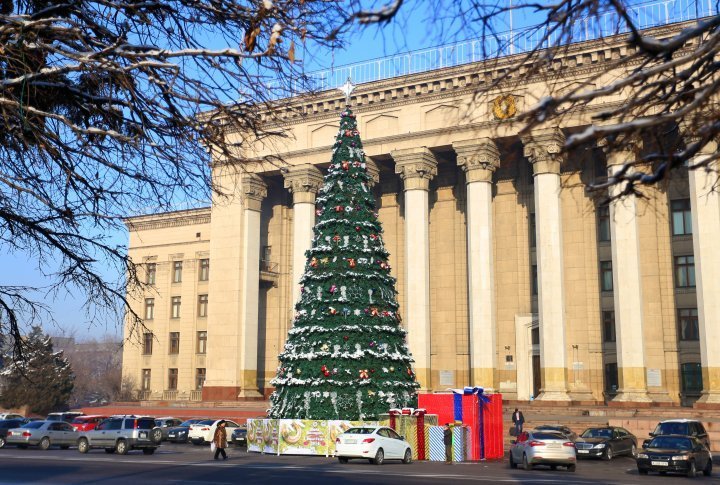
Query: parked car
[6, 425]
[67, 417]
[203, 432]
[684, 427]
[87, 423]
[120, 435]
[558, 428]
[374, 443]
[605, 443]
[539, 447]
[11, 416]
[179, 434]
[239, 436]
[43, 434]
[166, 424]
[675, 453]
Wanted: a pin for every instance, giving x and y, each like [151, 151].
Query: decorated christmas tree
[346, 355]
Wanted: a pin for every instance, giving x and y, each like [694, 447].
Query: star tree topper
[347, 90]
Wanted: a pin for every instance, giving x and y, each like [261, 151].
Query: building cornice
[164, 220]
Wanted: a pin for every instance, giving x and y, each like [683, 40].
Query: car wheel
[148, 451]
[109, 451]
[642, 471]
[707, 471]
[342, 459]
[2, 442]
[608, 455]
[156, 436]
[379, 457]
[692, 471]
[45, 443]
[512, 462]
[121, 448]
[633, 450]
[83, 445]
[408, 457]
[526, 463]
[571, 468]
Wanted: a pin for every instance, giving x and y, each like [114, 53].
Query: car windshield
[34, 425]
[54, 417]
[671, 443]
[360, 431]
[186, 424]
[145, 423]
[548, 436]
[207, 421]
[597, 433]
[671, 428]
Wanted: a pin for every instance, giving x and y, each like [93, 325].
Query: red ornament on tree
[346, 165]
[314, 262]
[336, 238]
[364, 374]
[357, 228]
[339, 208]
[373, 236]
[351, 262]
[345, 338]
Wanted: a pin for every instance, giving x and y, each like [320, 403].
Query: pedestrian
[447, 439]
[220, 440]
[518, 420]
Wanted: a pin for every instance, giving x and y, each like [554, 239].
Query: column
[543, 148]
[416, 167]
[705, 206]
[303, 181]
[254, 191]
[479, 159]
[627, 281]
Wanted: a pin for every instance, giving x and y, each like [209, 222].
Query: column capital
[478, 158]
[620, 148]
[416, 167]
[254, 191]
[304, 182]
[544, 149]
[373, 171]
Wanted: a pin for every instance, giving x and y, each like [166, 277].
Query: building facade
[511, 275]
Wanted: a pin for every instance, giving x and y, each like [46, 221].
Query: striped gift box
[436, 445]
[458, 434]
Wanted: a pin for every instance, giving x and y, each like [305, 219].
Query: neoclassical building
[511, 275]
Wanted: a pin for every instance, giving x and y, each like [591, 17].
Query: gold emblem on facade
[504, 107]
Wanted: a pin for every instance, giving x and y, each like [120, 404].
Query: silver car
[43, 434]
[542, 448]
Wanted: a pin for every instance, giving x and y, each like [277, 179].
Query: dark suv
[683, 427]
[121, 434]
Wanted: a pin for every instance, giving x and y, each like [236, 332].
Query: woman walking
[220, 440]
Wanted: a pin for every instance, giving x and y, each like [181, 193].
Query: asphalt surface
[189, 464]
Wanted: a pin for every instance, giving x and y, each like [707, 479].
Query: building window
[691, 376]
[204, 269]
[175, 307]
[532, 229]
[611, 378]
[147, 343]
[603, 222]
[202, 305]
[534, 279]
[146, 379]
[177, 271]
[149, 308]
[606, 276]
[688, 326]
[608, 321]
[199, 378]
[151, 272]
[174, 342]
[681, 217]
[202, 342]
[685, 271]
[172, 379]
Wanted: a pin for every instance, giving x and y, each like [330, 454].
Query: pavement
[188, 464]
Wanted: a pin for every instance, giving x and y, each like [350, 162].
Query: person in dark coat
[447, 439]
[518, 420]
[220, 440]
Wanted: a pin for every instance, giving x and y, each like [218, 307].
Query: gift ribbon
[393, 419]
[420, 413]
[482, 400]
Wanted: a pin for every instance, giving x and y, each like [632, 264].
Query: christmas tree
[346, 355]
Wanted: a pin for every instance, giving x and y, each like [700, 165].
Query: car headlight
[642, 455]
[599, 445]
[680, 457]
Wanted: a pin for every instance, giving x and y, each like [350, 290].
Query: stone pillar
[705, 205]
[416, 167]
[479, 159]
[254, 191]
[543, 148]
[627, 282]
[303, 181]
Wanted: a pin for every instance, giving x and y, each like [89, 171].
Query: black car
[239, 436]
[558, 428]
[675, 453]
[684, 427]
[179, 434]
[5, 425]
[605, 442]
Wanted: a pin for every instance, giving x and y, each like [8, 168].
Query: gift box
[459, 439]
[412, 424]
[436, 445]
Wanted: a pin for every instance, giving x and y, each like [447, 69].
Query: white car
[374, 443]
[11, 416]
[203, 432]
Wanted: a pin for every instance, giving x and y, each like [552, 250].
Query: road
[189, 464]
